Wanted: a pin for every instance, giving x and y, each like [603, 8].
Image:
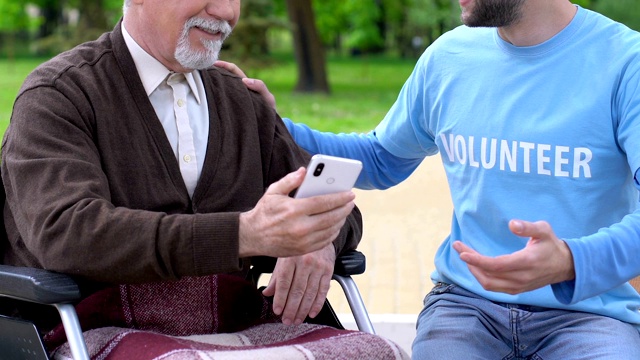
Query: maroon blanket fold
[264, 342]
[191, 305]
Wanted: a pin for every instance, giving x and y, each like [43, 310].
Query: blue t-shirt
[548, 132]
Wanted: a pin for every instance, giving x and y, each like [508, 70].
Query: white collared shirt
[153, 75]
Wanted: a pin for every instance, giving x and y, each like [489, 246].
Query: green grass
[362, 90]
[13, 74]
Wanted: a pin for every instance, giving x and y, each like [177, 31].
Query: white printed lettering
[527, 147]
[472, 161]
[510, 155]
[483, 153]
[448, 146]
[580, 162]
[461, 149]
[543, 159]
[560, 160]
[551, 160]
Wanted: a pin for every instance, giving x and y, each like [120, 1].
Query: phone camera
[318, 169]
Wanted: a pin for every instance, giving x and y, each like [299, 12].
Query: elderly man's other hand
[253, 84]
[545, 260]
[281, 226]
[300, 284]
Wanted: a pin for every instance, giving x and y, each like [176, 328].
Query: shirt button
[180, 103]
[186, 158]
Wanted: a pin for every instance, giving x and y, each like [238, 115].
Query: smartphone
[328, 174]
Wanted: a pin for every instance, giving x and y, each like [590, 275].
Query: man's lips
[209, 33]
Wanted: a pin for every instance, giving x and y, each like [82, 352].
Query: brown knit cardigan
[94, 189]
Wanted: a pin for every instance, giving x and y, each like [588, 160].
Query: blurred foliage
[249, 43]
[52, 26]
[14, 17]
[624, 11]
[15, 25]
[397, 27]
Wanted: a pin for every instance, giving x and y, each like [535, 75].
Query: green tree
[51, 14]
[14, 20]
[389, 25]
[414, 24]
[364, 33]
[332, 21]
[250, 41]
[308, 48]
[624, 11]
[94, 18]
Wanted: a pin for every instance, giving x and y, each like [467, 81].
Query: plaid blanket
[268, 341]
[210, 317]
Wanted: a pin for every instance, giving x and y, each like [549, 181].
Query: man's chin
[198, 66]
[199, 62]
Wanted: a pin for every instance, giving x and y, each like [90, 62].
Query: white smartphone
[329, 174]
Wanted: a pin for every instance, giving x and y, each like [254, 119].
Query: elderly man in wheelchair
[154, 181]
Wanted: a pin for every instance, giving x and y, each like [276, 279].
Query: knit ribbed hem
[215, 243]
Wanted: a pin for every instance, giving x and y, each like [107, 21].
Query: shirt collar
[151, 71]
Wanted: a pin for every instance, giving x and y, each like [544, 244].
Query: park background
[336, 65]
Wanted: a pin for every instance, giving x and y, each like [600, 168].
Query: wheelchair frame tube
[355, 303]
[73, 330]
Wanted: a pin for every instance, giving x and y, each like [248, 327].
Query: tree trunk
[381, 24]
[310, 58]
[93, 21]
[92, 14]
[51, 11]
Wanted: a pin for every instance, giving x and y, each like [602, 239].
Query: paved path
[403, 227]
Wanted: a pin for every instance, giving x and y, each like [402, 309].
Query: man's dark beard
[494, 13]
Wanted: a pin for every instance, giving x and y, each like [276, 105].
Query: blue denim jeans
[457, 324]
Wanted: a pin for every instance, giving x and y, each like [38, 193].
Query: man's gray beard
[190, 58]
[494, 13]
[196, 59]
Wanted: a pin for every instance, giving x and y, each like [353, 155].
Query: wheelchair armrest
[37, 285]
[47, 287]
[352, 262]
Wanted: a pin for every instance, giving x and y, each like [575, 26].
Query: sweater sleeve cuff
[215, 243]
[564, 291]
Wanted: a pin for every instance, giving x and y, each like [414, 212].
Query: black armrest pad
[352, 262]
[263, 264]
[37, 285]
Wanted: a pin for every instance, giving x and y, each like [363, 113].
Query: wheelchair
[20, 339]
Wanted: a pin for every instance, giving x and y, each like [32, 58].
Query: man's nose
[227, 10]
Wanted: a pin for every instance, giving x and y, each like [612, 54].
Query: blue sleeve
[609, 258]
[381, 169]
[602, 261]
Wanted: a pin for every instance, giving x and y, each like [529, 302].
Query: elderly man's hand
[280, 226]
[545, 260]
[300, 284]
